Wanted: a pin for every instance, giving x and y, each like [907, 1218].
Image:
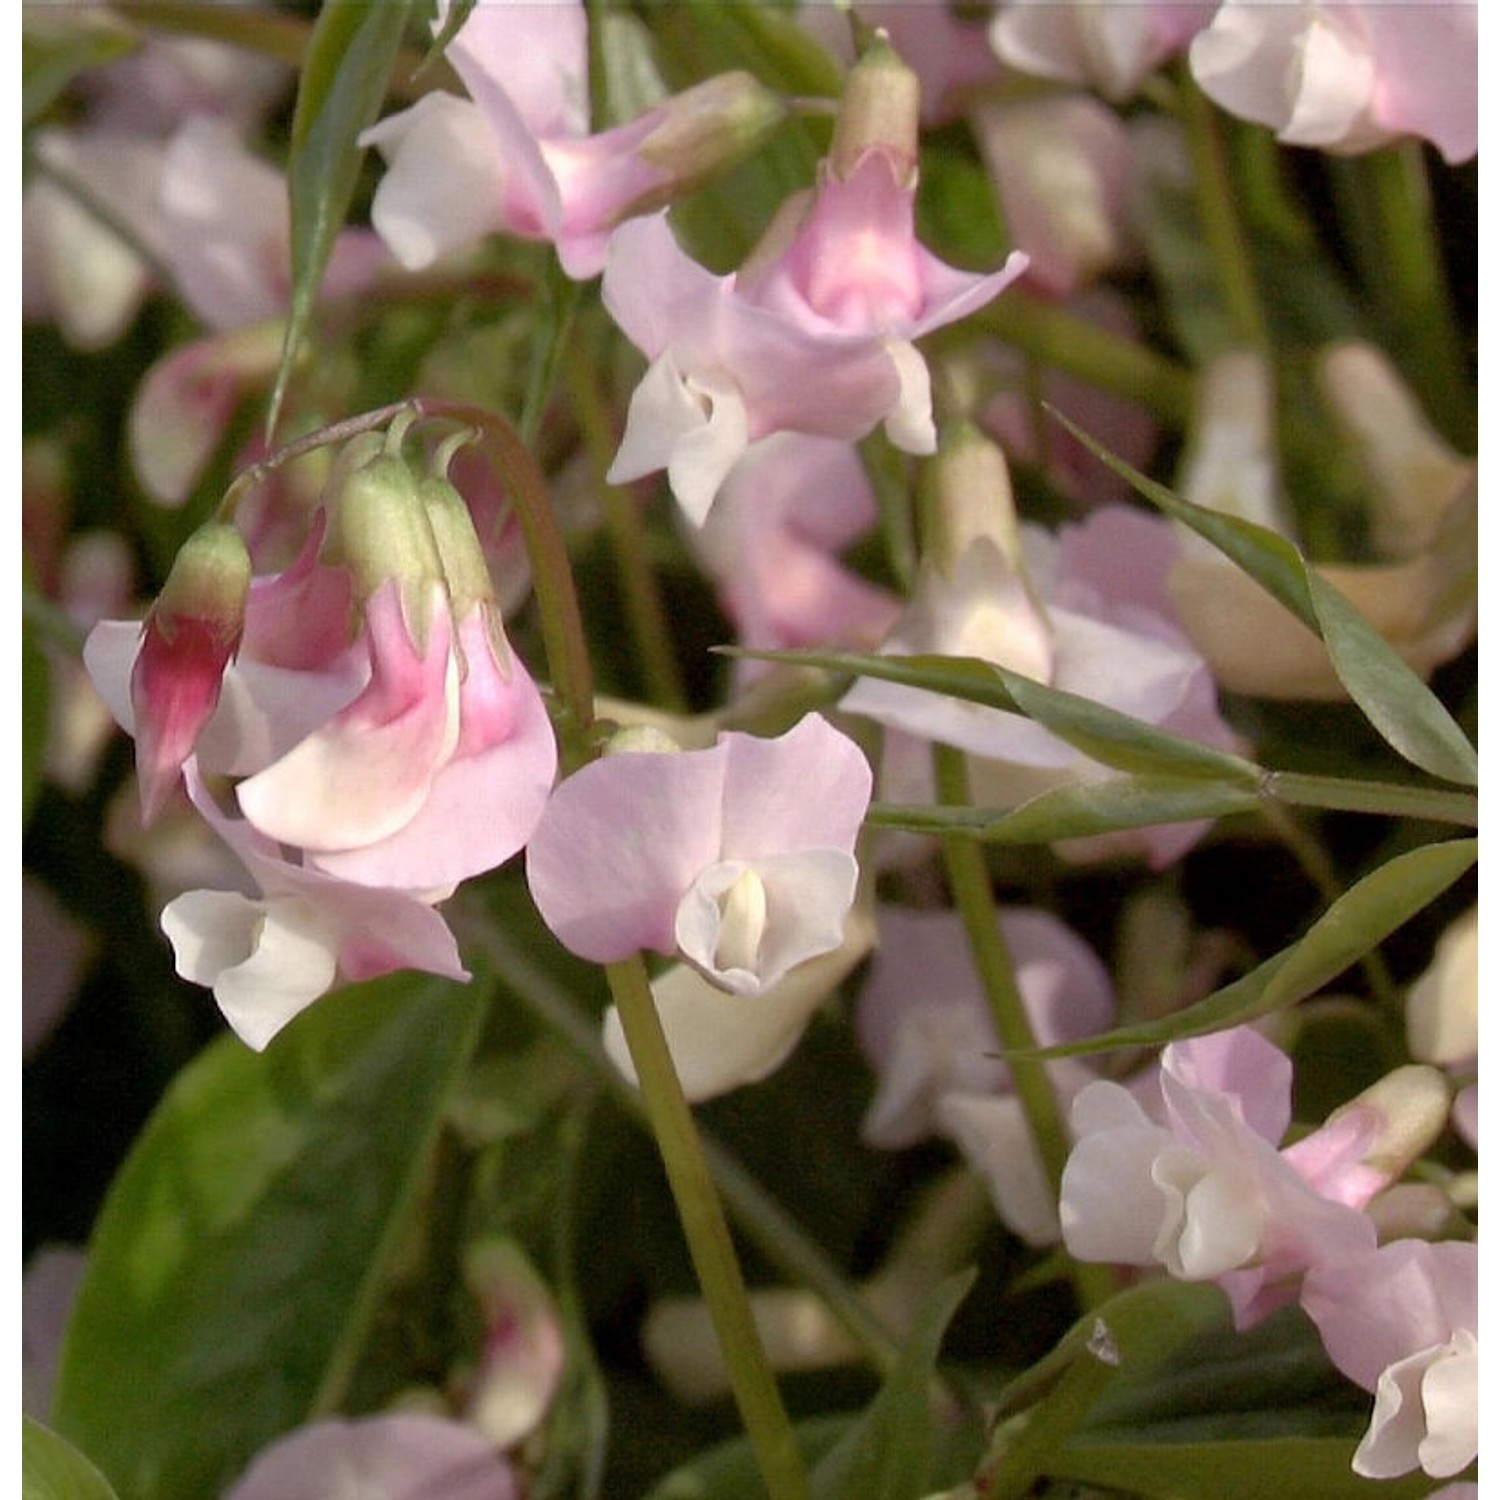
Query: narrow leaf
[1362, 918]
[1104, 734]
[345, 79]
[1401, 707]
[249, 1235]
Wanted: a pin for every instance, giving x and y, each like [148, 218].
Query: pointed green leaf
[1104, 734]
[887, 1454]
[53, 1469]
[246, 1242]
[345, 77]
[1362, 918]
[1402, 708]
[1079, 811]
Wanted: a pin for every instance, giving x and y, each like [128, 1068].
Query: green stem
[969, 881]
[1386, 799]
[709, 1243]
[645, 613]
[1062, 341]
[1218, 215]
[783, 1242]
[1410, 282]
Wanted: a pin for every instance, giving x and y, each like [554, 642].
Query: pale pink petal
[1254, 1075]
[620, 841]
[444, 183]
[396, 1456]
[366, 773]
[995, 1137]
[486, 801]
[1427, 77]
[807, 789]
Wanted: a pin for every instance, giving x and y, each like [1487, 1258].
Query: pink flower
[1108, 47]
[517, 157]
[816, 339]
[268, 957]
[924, 1024]
[1403, 1321]
[399, 1456]
[1203, 1190]
[1347, 76]
[739, 857]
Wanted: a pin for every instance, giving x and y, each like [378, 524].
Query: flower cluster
[884, 594]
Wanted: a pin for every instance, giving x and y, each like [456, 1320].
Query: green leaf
[1079, 811]
[1251, 1469]
[1362, 918]
[1104, 734]
[57, 45]
[1401, 707]
[245, 1244]
[53, 1469]
[887, 1453]
[345, 77]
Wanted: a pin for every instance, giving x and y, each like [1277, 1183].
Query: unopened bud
[881, 109]
[1442, 1010]
[1413, 1103]
[188, 639]
[1415, 478]
[641, 739]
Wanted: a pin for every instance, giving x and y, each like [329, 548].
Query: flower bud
[189, 638]
[881, 108]
[1442, 1010]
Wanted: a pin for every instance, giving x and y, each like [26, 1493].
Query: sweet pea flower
[397, 1455]
[1107, 47]
[924, 1024]
[1197, 1185]
[740, 857]
[1403, 1321]
[517, 157]
[815, 334]
[267, 957]
[1084, 612]
[1347, 76]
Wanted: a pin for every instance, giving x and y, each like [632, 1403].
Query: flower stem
[969, 881]
[709, 1242]
[1219, 216]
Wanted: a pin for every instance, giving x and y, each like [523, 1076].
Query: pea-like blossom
[1196, 1183]
[267, 956]
[1403, 1322]
[517, 156]
[924, 1024]
[815, 333]
[1347, 76]
[739, 858]
[1110, 47]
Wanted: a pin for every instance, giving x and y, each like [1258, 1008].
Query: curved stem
[709, 1243]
